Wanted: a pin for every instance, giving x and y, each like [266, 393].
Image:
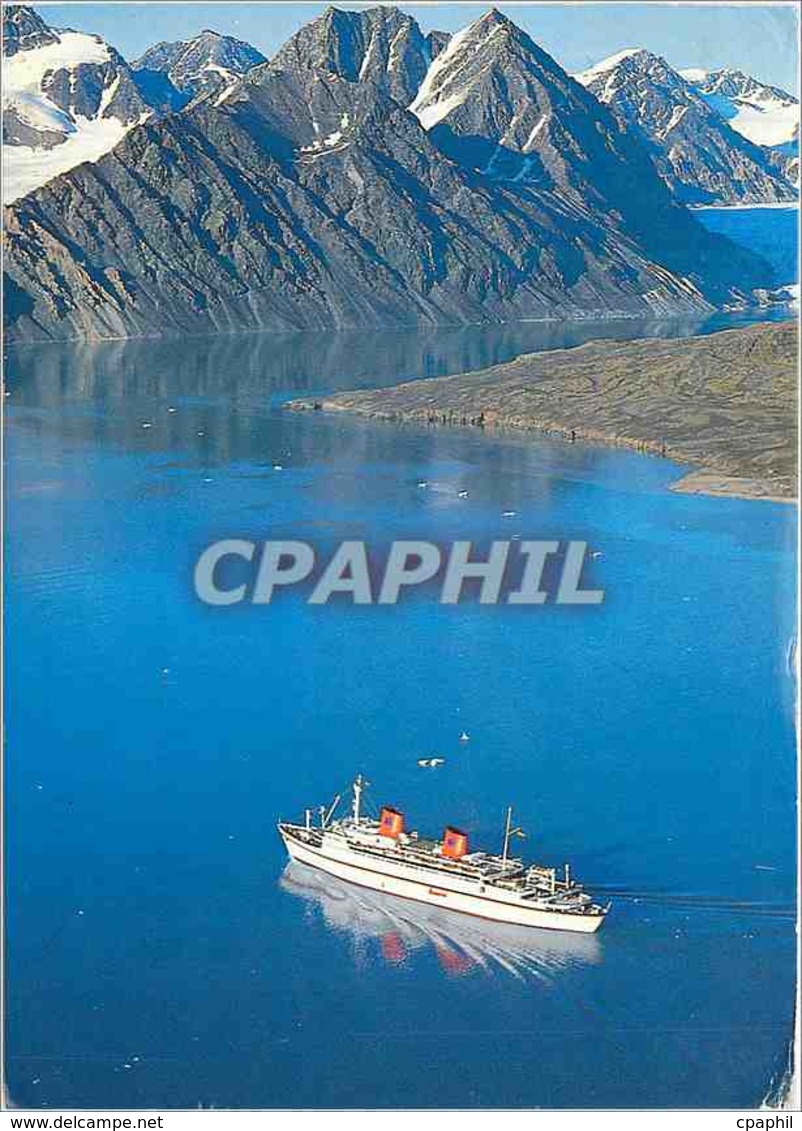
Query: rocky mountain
[310, 196]
[68, 97]
[696, 151]
[766, 115]
[170, 75]
[343, 67]
[436, 41]
[24, 30]
[494, 101]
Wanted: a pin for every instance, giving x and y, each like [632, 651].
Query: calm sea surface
[158, 952]
[772, 232]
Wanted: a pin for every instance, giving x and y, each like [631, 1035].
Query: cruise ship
[381, 854]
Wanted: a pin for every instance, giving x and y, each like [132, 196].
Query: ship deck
[422, 854]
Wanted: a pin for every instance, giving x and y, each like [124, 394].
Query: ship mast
[331, 810]
[358, 786]
[327, 814]
[509, 833]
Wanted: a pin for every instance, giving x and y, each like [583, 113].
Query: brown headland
[724, 403]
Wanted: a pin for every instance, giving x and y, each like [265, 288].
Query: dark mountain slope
[245, 214]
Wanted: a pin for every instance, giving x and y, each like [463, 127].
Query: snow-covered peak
[453, 72]
[206, 63]
[643, 90]
[609, 64]
[736, 84]
[766, 115]
[630, 71]
[68, 97]
[685, 129]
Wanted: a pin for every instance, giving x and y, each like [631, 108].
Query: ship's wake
[461, 943]
[693, 901]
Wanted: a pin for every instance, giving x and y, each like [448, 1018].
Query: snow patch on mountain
[64, 103]
[25, 68]
[533, 133]
[764, 114]
[440, 108]
[25, 90]
[691, 127]
[606, 65]
[694, 75]
[444, 87]
[766, 125]
[171, 75]
[677, 114]
[26, 168]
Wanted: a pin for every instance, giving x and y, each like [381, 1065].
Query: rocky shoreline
[724, 402]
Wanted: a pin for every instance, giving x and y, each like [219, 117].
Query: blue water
[772, 232]
[157, 953]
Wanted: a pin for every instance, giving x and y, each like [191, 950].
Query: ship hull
[430, 890]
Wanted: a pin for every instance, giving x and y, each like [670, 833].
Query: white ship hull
[427, 887]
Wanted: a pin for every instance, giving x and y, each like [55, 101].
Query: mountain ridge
[172, 74]
[68, 97]
[698, 155]
[309, 196]
[764, 114]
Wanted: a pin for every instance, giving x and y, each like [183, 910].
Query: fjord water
[159, 955]
[772, 232]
